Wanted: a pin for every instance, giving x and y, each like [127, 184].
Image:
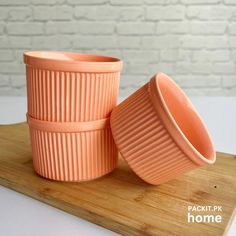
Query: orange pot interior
[185, 117]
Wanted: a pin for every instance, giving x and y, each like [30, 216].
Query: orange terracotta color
[159, 132]
[72, 151]
[70, 98]
[61, 86]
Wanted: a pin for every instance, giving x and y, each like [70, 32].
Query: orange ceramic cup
[70, 98]
[159, 133]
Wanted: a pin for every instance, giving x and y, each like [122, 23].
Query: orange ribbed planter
[159, 133]
[72, 95]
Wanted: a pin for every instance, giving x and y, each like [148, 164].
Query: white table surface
[22, 215]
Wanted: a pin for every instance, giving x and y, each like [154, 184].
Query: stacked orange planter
[70, 99]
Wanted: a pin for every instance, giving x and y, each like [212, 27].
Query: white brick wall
[194, 41]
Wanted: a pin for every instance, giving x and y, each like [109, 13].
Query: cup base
[73, 157]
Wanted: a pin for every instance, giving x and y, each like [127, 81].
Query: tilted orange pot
[159, 133]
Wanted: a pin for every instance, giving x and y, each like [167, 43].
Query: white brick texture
[194, 41]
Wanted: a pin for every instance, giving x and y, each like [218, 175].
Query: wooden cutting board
[120, 201]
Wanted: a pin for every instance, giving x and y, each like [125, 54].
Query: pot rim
[72, 61]
[172, 126]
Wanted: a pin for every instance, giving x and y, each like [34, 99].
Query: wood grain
[120, 201]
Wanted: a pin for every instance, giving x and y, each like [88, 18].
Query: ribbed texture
[58, 96]
[144, 141]
[73, 156]
[67, 96]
